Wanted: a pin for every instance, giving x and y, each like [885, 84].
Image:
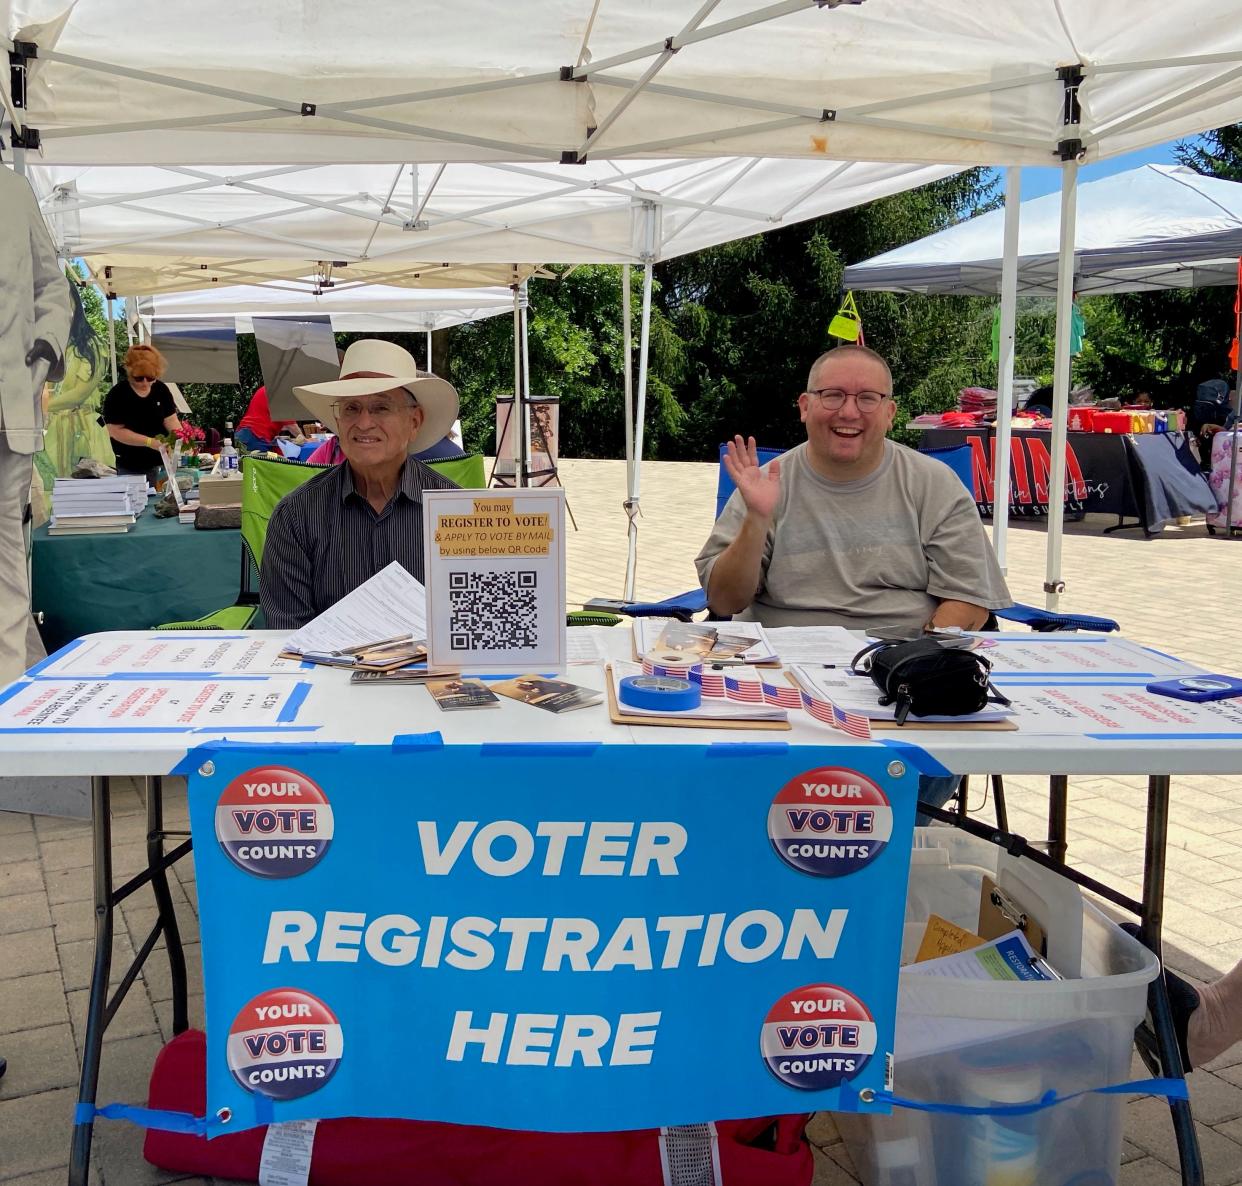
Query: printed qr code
[492, 611]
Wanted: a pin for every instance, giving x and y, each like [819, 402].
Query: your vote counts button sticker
[817, 1037]
[285, 1043]
[829, 822]
[274, 822]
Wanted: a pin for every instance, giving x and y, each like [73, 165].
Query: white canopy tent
[1151, 228]
[148, 82]
[382, 223]
[371, 308]
[1155, 227]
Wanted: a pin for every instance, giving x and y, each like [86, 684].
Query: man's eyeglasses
[833, 398]
[142, 378]
[349, 410]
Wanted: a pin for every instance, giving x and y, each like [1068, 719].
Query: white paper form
[858, 693]
[168, 705]
[1118, 709]
[169, 654]
[391, 604]
[1067, 655]
[286, 1157]
[815, 644]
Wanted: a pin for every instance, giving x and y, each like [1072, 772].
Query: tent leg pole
[1004, 378]
[1237, 427]
[644, 342]
[111, 339]
[524, 407]
[1053, 585]
[429, 367]
[631, 555]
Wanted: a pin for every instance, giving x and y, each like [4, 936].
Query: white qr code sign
[495, 577]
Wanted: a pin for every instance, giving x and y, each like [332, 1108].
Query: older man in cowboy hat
[343, 526]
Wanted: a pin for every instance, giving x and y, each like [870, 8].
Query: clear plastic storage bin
[968, 1042]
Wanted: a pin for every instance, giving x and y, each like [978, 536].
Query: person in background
[257, 431]
[138, 410]
[329, 452]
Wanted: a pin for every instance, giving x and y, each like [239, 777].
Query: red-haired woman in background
[137, 410]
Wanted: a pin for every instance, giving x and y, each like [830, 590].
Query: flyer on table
[564, 943]
[495, 576]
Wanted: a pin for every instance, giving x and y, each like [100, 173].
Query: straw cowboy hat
[394, 368]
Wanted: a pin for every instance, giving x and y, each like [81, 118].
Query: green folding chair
[265, 481]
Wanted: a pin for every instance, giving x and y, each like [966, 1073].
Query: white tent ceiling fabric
[400, 222]
[369, 308]
[1155, 227]
[295, 81]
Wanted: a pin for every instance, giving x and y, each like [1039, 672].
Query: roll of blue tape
[660, 693]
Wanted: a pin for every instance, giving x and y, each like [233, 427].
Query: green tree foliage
[754, 314]
[1168, 342]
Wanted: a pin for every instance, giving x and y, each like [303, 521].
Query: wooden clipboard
[619, 716]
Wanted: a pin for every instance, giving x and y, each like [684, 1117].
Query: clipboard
[1005, 726]
[618, 716]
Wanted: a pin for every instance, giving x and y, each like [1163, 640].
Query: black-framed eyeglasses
[833, 398]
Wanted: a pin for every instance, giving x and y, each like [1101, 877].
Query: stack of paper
[858, 694]
[381, 625]
[95, 506]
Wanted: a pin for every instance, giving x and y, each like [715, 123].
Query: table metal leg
[97, 1008]
[1058, 817]
[1151, 925]
[164, 902]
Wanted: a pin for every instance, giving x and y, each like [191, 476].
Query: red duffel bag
[770, 1151]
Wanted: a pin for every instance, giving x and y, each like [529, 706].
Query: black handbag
[926, 678]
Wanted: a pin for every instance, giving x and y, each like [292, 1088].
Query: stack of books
[97, 506]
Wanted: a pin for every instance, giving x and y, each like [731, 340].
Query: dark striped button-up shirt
[324, 540]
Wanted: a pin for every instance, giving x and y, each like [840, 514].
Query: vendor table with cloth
[161, 570]
[318, 721]
[1151, 477]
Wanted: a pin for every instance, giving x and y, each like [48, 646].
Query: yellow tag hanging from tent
[846, 325]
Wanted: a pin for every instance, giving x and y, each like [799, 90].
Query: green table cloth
[160, 570]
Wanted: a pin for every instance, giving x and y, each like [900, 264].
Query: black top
[144, 414]
[324, 540]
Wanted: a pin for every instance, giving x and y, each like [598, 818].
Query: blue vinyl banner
[559, 938]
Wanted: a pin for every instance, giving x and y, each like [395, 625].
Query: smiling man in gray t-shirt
[849, 528]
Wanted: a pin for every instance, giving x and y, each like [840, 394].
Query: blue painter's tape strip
[264, 1109]
[55, 657]
[539, 749]
[406, 743]
[1112, 681]
[11, 691]
[918, 757]
[290, 711]
[1080, 680]
[1119, 736]
[274, 729]
[30, 731]
[745, 749]
[174, 675]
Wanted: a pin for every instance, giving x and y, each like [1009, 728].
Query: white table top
[377, 714]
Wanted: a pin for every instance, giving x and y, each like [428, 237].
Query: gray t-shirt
[883, 550]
